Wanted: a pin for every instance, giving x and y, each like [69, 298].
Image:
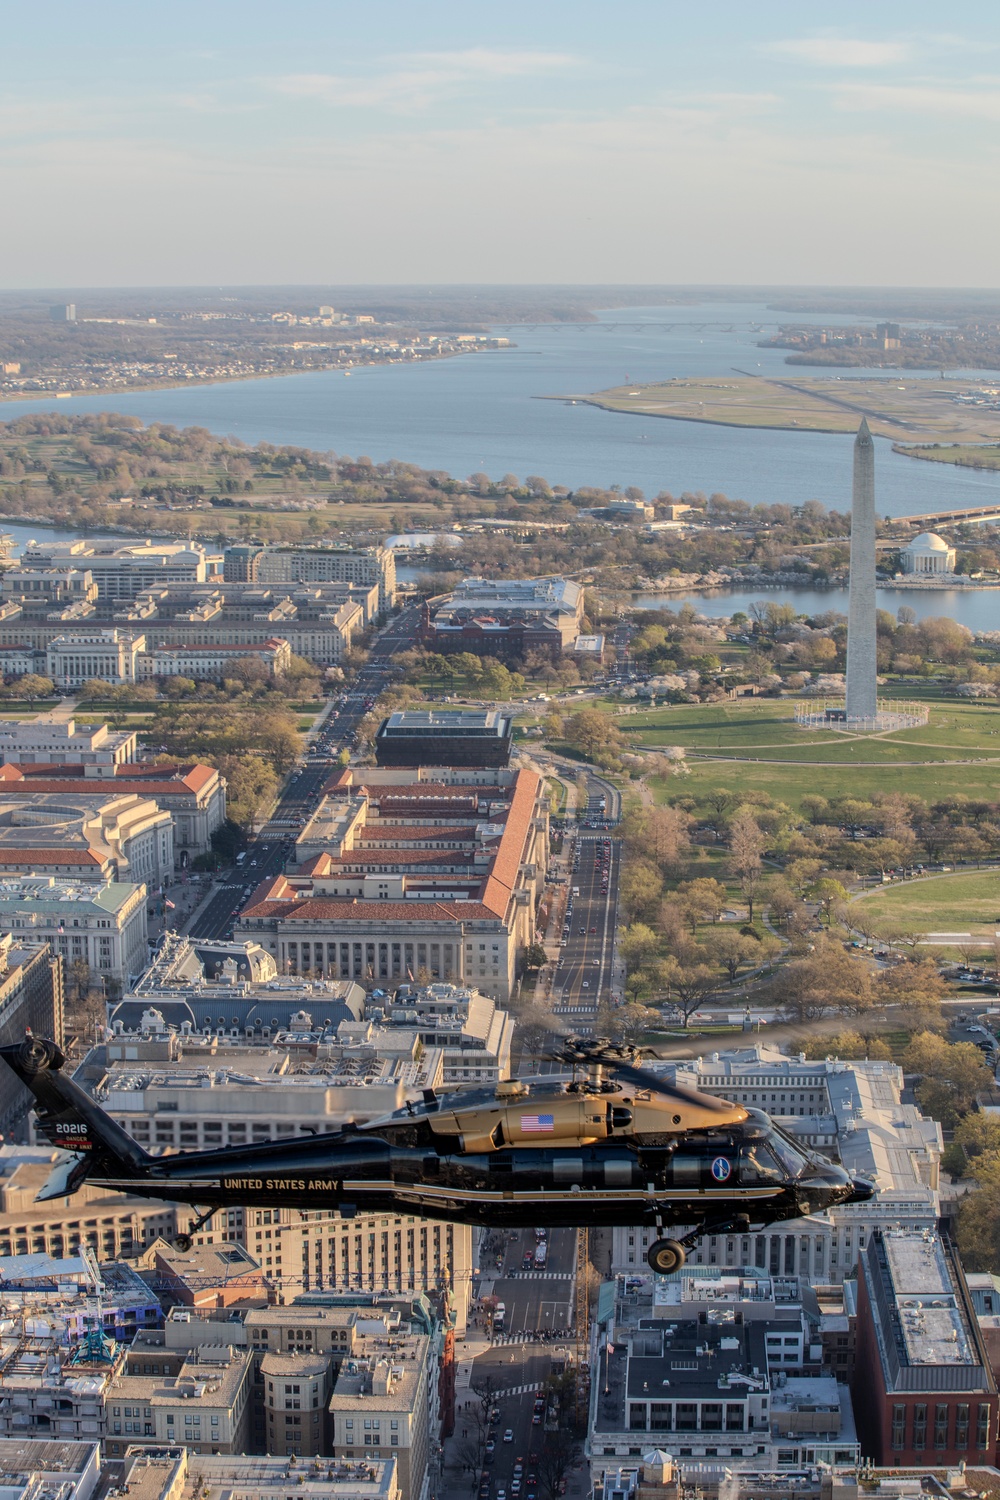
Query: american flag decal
[537, 1124]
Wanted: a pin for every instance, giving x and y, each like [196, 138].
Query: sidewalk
[188, 895]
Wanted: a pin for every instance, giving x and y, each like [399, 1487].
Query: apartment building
[206, 1276]
[102, 836]
[283, 1343]
[194, 796]
[324, 564]
[297, 1388]
[205, 1406]
[923, 1386]
[418, 881]
[102, 925]
[385, 1405]
[852, 1112]
[31, 998]
[50, 1394]
[37, 1467]
[168, 1474]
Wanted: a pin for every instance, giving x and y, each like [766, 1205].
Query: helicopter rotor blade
[618, 1061]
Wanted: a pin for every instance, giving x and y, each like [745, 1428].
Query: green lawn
[954, 726]
[943, 903]
[791, 782]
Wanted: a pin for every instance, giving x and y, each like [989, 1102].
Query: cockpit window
[791, 1158]
[758, 1165]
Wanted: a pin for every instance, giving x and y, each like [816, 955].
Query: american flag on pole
[537, 1124]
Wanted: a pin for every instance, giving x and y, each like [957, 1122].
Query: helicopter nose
[862, 1190]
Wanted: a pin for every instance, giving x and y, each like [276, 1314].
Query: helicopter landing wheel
[665, 1256]
[183, 1243]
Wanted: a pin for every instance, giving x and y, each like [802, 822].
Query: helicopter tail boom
[70, 1120]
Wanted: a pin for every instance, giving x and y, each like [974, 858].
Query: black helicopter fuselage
[418, 1161]
[610, 1183]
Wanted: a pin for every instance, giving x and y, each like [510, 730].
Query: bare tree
[746, 849]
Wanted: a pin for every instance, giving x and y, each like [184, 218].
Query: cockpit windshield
[792, 1159]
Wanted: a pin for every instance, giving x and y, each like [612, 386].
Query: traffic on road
[267, 851]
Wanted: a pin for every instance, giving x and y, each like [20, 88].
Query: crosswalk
[502, 1340]
[514, 1390]
[539, 1275]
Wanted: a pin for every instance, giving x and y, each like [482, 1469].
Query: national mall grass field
[754, 745]
[968, 901]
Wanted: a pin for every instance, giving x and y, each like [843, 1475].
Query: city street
[518, 1364]
[268, 850]
[584, 977]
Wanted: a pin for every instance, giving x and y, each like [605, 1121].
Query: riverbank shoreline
[10, 398]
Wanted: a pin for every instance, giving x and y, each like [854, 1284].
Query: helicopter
[612, 1144]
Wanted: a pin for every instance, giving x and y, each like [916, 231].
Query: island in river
[922, 418]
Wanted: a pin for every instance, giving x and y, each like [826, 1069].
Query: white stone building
[111, 655]
[122, 570]
[850, 1111]
[98, 750]
[927, 554]
[104, 926]
[201, 662]
[98, 837]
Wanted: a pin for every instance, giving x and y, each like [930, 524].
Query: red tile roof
[358, 858]
[50, 857]
[142, 781]
[281, 897]
[402, 834]
[334, 909]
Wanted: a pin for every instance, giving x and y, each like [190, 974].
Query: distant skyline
[326, 143]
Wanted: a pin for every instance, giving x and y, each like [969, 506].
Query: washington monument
[862, 693]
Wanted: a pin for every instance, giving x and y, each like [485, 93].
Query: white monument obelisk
[862, 691]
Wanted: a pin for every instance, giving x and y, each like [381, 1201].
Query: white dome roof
[927, 541]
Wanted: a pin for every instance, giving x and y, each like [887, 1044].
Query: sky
[649, 141]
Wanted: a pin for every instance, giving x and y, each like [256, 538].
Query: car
[501, 1495]
[508, 1437]
[484, 1487]
[537, 1418]
[515, 1486]
[593, 929]
[586, 984]
[596, 962]
[491, 1446]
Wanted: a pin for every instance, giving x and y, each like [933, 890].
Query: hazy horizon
[520, 145]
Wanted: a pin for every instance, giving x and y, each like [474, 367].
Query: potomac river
[481, 412]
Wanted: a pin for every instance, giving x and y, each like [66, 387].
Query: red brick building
[924, 1393]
